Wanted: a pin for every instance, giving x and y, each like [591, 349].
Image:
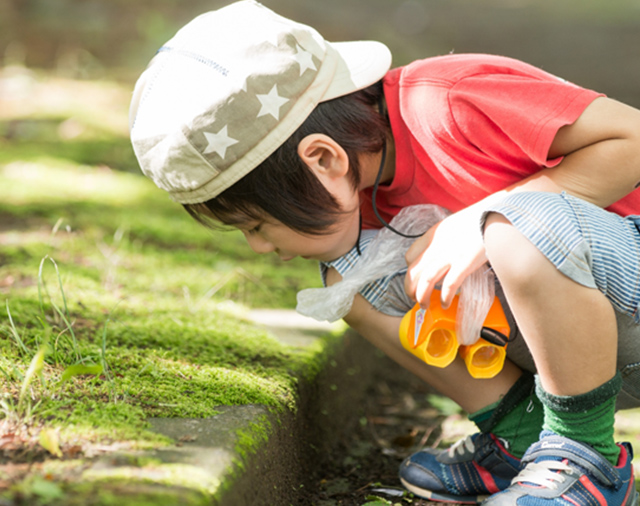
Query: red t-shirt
[466, 126]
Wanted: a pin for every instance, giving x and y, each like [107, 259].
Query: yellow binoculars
[430, 334]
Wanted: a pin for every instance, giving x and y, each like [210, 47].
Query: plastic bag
[385, 256]
[476, 296]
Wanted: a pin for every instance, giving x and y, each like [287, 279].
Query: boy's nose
[258, 244]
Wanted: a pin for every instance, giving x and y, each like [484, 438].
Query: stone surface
[248, 455]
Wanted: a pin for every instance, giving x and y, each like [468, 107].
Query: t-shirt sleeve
[499, 113]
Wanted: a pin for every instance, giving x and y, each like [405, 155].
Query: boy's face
[330, 163]
[271, 236]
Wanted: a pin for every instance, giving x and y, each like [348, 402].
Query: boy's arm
[601, 165]
[601, 153]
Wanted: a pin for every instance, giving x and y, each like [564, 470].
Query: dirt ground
[398, 419]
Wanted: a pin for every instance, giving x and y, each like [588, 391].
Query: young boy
[252, 120]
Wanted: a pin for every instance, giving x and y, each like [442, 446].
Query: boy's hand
[446, 253]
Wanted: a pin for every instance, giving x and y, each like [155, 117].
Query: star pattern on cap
[304, 59]
[219, 142]
[271, 103]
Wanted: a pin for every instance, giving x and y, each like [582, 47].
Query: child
[252, 120]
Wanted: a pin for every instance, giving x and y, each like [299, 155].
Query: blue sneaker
[562, 472]
[469, 471]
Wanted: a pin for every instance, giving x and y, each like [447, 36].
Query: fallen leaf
[8, 281]
[49, 440]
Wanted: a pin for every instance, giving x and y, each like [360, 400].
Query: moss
[177, 476]
[160, 363]
[122, 494]
[105, 269]
[114, 492]
[249, 440]
[136, 229]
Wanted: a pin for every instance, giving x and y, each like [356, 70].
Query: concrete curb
[248, 455]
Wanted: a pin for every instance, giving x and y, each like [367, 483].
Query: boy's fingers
[410, 284]
[417, 258]
[427, 283]
[450, 286]
[423, 276]
[452, 282]
[415, 273]
[418, 247]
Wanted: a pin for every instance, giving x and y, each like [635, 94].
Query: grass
[115, 305]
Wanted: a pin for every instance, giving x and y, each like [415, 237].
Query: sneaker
[560, 471]
[472, 469]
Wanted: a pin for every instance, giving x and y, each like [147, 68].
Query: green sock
[516, 418]
[587, 418]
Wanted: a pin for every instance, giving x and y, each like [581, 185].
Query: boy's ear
[324, 156]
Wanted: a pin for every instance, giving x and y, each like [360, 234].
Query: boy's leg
[504, 408]
[485, 462]
[453, 381]
[570, 329]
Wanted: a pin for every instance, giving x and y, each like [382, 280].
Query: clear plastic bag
[385, 256]
[476, 296]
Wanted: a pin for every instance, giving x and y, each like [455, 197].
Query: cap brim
[361, 64]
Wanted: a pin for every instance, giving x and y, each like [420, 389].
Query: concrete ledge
[249, 455]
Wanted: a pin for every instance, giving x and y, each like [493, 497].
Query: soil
[398, 419]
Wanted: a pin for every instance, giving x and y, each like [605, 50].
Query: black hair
[284, 188]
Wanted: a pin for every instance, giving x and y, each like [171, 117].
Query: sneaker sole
[450, 498]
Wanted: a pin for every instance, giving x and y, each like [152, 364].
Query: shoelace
[544, 473]
[461, 446]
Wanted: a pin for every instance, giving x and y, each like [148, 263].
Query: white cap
[230, 87]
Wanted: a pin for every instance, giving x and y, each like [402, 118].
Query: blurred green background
[595, 43]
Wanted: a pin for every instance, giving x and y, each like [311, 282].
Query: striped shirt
[373, 292]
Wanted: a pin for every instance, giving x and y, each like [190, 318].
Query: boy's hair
[284, 188]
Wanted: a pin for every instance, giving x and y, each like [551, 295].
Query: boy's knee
[499, 236]
[515, 260]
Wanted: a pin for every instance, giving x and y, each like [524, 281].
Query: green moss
[249, 440]
[104, 268]
[117, 491]
[111, 224]
[176, 476]
[160, 362]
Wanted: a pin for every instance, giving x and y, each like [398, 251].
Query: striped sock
[587, 418]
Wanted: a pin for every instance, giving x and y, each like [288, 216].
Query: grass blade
[80, 370]
[15, 333]
[74, 341]
[35, 367]
[64, 314]
[41, 286]
[64, 298]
